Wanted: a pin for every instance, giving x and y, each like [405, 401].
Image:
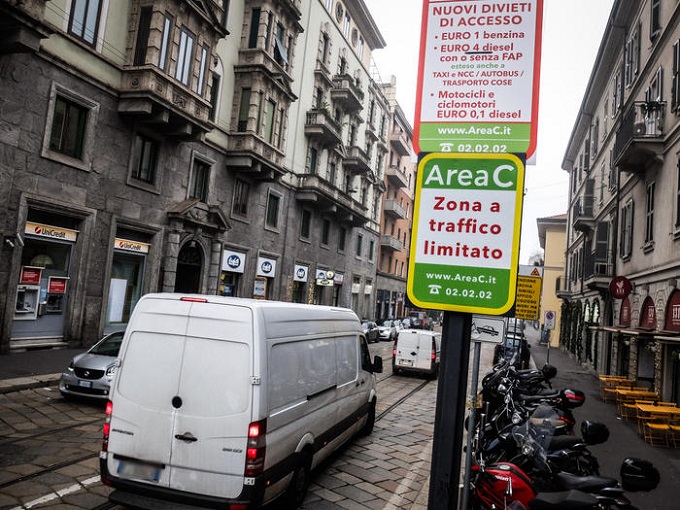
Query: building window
[214, 95]
[244, 110]
[655, 19]
[626, 248]
[675, 92]
[268, 33]
[331, 173]
[203, 71]
[346, 27]
[325, 232]
[342, 238]
[272, 217]
[280, 51]
[67, 135]
[198, 180]
[632, 56]
[241, 196]
[269, 109]
[84, 20]
[142, 36]
[279, 132]
[617, 94]
[312, 159]
[371, 250]
[254, 27]
[677, 196]
[649, 214]
[329, 5]
[184, 56]
[360, 242]
[144, 158]
[305, 224]
[165, 42]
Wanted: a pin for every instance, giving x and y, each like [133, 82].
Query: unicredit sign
[620, 287]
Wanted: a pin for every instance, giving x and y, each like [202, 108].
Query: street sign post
[465, 234]
[549, 322]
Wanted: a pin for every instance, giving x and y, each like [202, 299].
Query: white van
[229, 403]
[417, 351]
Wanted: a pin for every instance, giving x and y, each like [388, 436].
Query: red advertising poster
[30, 275]
[624, 313]
[56, 285]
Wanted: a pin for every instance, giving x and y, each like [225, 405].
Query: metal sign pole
[450, 411]
[472, 423]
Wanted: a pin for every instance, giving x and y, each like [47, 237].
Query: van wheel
[297, 490]
[370, 420]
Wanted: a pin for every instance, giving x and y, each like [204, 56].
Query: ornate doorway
[189, 265]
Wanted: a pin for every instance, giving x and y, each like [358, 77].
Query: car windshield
[385, 322]
[109, 346]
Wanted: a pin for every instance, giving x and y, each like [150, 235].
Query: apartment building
[551, 237]
[621, 303]
[231, 147]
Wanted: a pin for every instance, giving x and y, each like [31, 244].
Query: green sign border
[476, 289]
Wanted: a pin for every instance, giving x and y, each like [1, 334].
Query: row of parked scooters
[527, 455]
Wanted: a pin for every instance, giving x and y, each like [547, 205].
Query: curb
[25, 383]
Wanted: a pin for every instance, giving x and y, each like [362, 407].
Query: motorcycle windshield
[534, 435]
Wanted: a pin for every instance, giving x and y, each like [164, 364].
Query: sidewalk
[34, 368]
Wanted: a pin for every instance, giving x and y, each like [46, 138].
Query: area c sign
[465, 240]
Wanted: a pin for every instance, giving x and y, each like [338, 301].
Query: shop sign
[324, 278]
[57, 284]
[233, 261]
[624, 312]
[30, 275]
[266, 267]
[620, 287]
[648, 314]
[339, 278]
[673, 312]
[260, 288]
[301, 273]
[63, 234]
[133, 246]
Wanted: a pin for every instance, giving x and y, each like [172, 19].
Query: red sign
[56, 285]
[648, 314]
[30, 275]
[624, 313]
[620, 287]
[673, 312]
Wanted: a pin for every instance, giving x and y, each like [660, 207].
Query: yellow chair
[674, 430]
[642, 416]
[657, 431]
[667, 404]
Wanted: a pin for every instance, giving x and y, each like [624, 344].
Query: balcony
[392, 208]
[390, 243]
[396, 177]
[582, 212]
[319, 125]
[356, 161]
[321, 194]
[400, 142]
[251, 155]
[639, 142]
[148, 96]
[347, 94]
[598, 271]
[22, 27]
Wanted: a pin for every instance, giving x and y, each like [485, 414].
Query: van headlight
[111, 370]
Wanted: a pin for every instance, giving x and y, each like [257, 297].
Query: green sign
[465, 239]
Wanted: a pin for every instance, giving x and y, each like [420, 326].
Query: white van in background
[417, 351]
[230, 403]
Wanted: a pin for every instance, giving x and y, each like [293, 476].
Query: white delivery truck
[229, 403]
[417, 351]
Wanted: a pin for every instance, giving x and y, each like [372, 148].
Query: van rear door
[183, 397]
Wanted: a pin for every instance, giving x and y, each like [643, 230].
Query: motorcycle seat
[569, 500]
[568, 481]
[564, 441]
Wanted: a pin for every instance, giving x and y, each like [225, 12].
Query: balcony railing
[347, 93]
[396, 177]
[400, 142]
[583, 209]
[357, 161]
[640, 138]
[321, 126]
[394, 209]
[318, 192]
[598, 270]
[251, 155]
[391, 243]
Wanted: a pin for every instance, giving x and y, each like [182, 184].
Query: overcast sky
[572, 31]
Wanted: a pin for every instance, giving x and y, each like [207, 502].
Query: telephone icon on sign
[434, 289]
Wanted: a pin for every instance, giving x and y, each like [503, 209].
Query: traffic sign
[478, 76]
[465, 235]
[487, 328]
[528, 300]
[549, 320]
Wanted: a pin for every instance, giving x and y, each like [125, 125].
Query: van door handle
[187, 436]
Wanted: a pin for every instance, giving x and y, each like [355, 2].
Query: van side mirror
[377, 365]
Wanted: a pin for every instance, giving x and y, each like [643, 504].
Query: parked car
[370, 329]
[417, 351]
[515, 347]
[90, 374]
[389, 328]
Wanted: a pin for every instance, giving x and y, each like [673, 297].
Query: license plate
[406, 362]
[148, 472]
[85, 384]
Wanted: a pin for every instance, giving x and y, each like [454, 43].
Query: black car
[371, 330]
[516, 348]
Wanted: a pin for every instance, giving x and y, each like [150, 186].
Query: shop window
[84, 19]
